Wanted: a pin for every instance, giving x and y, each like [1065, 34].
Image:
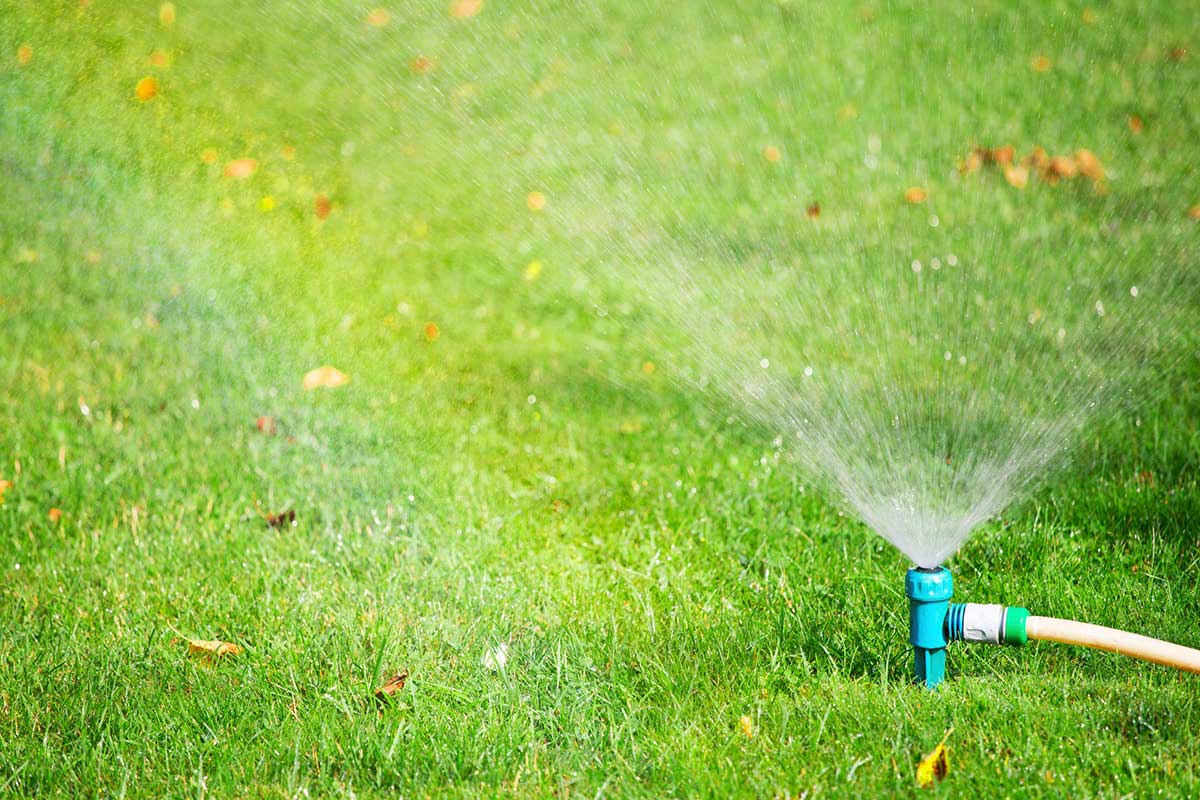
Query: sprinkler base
[929, 591]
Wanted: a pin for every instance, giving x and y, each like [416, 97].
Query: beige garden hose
[1068, 631]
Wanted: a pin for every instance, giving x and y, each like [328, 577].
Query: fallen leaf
[265, 425]
[1061, 167]
[536, 201]
[421, 64]
[267, 203]
[747, 726]
[288, 152]
[1135, 124]
[465, 9]
[649, 368]
[915, 194]
[392, 685]
[432, 332]
[532, 270]
[322, 206]
[772, 154]
[496, 659]
[146, 89]
[1088, 165]
[209, 155]
[325, 377]
[1004, 154]
[936, 765]
[813, 211]
[1040, 64]
[282, 519]
[1177, 54]
[212, 649]
[24, 54]
[1089, 17]
[241, 168]
[160, 59]
[166, 14]
[55, 515]
[4, 487]
[1016, 176]
[378, 17]
[1194, 211]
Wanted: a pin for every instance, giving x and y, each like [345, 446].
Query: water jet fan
[934, 622]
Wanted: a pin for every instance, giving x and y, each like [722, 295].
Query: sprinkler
[934, 622]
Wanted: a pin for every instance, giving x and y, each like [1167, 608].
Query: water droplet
[764, 363]
[952, 260]
[1133, 291]
[916, 266]
[532, 399]
[808, 371]
[947, 355]
[935, 262]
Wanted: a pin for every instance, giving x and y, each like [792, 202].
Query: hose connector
[929, 591]
[987, 623]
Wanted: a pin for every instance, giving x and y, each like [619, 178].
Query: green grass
[657, 572]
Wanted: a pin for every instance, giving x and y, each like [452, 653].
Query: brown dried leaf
[322, 206]
[283, 518]
[392, 686]
[265, 425]
[813, 211]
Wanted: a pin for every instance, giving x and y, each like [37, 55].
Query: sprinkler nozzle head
[929, 592]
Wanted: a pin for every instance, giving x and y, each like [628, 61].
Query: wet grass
[657, 570]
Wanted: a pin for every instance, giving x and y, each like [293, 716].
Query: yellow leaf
[213, 649]
[166, 14]
[915, 194]
[465, 9]
[747, 726]
[532, 270]
[324, 378]
[935, 766]
[536, 201]
[24, 54]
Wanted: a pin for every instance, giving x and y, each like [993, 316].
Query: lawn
[600, 581]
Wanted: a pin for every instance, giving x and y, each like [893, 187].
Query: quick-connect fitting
[988, 623]
[929, 592]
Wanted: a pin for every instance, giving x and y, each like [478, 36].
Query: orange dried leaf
[208, 155]
[1194, 211]
[160, 59]
[813, 211]
[1016, 176]
[55, 515]
[212, 649]
[24, 54]
[146, 89]
[465, 9]
[241, 168]
[536, 201]
[431, 331]
[378, 17]
[915, 194]
[1062, 167]
[1040, 64]
[325, 377]
[747, 726]
[421, 64]
[1088, 165]
[322, 206]
[265, 425]
[1135, 124]
[772, 154]
[166, 14]
[1004, 154]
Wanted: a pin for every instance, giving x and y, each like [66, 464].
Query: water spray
[934, 622]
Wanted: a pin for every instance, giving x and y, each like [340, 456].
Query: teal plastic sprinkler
[934, 622]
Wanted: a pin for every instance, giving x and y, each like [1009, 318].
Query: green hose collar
[1014, 625]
